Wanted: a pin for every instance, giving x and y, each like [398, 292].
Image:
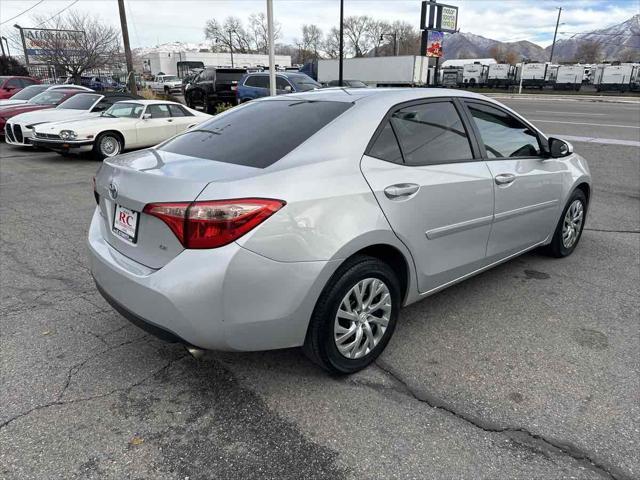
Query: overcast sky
[161, 21]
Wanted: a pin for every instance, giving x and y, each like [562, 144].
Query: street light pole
[272, 56]
[340, 71]
[554, 35]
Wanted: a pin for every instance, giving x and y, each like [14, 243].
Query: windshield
[305, 84]
[124, 110]
[29, 92]
[82, 101]
[50, 97]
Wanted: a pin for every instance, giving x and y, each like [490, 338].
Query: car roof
[149, 102]
[389, 96]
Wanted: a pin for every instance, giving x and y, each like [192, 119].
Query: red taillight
[215, 223]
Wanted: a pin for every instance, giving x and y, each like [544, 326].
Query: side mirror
[559, 148]
[146, 116]
[288, 89]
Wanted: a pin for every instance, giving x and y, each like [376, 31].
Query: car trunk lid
[125, 184]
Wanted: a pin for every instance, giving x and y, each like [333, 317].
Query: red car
[42, 101]
[11, 85]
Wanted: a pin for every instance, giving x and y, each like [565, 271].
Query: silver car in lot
[310, 219]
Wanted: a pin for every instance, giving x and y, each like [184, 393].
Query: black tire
[320, 345]
[97, 151]
[557, 248]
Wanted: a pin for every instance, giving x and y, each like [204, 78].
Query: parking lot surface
[530, 370]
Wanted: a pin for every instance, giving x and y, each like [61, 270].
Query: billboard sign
[437, 16]
[434, 44]
[40, 44]
[447, 18]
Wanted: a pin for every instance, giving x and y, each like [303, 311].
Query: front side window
[81, 101]
[305, 84]
[256, 134]
[431, 133]
[281, 83]
[124, 110]
[503, 135]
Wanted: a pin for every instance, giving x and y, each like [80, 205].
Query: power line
[23, 12]
[65, 8]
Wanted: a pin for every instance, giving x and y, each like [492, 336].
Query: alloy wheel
[572, 223]
[362, 318]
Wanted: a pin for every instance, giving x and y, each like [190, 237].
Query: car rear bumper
[227, 298]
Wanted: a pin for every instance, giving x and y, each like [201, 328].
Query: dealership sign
[437, 16]
[40, 44]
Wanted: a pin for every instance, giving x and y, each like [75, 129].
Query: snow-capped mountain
[621, 39]
[616, 42]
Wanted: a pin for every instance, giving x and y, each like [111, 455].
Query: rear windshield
[257, 134]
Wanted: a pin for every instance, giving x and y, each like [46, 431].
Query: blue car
[256, 85]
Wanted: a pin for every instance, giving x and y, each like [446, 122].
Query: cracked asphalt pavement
[530, 370]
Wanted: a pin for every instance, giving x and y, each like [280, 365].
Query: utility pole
[341, 42]
[272, 50]
[131, 79]
[554, 35]
[2, 45]
[231, 46]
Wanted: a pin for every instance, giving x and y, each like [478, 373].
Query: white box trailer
[614, 77]
[533, 74]
[474, 75]
[569, 77]
[500, 75]
[401, 71]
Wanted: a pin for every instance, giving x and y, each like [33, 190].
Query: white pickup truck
[166, 84]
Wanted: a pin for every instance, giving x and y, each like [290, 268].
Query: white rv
[500, 75]
[569, 77]
[474, 75]
[401, 71]
[533, 74]
[615, 77]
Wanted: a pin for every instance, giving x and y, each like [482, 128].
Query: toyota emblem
[113, 190]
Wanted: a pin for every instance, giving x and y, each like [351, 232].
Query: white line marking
[604, 141]
[582, 123]
[571, 113]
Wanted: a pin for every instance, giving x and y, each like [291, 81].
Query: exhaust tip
[195, 352]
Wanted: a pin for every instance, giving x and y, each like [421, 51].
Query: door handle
[170, 120]
[505, 178]
[401, 190]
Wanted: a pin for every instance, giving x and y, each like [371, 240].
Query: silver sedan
[310, 219]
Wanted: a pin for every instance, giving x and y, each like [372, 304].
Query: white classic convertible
[125, 126]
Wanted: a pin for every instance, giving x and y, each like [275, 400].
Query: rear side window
[502, 134]
[260, 81]
[178, 111]
[386, 146]
[257, 134]
[431, 133]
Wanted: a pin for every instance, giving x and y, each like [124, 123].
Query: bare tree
[408, 37]
[588, 52]
[629, 55]
[97, 47]
[259, 34]
[312, 39]
[228, 36]
[511, 57]
[375, 32]
[497, 53]
[355, 30]
[331, 44]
